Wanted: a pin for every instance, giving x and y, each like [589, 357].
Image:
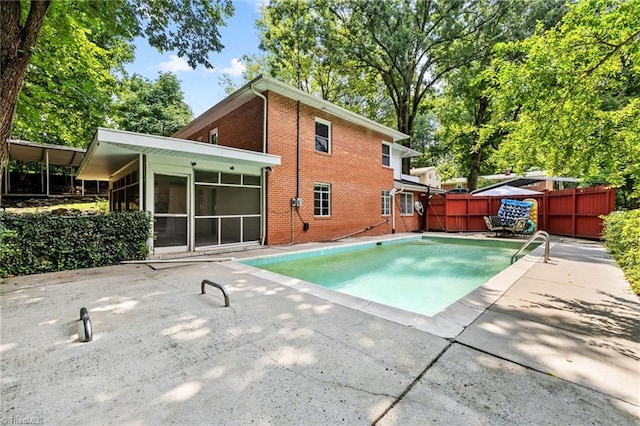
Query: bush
[622, 239]
[40, 242]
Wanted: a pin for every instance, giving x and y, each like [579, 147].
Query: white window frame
[388, 145]
[321, 191]
[213, 136]
[405, 203]
[328, 124]
[385, 206]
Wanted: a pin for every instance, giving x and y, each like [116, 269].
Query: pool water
[422, 275]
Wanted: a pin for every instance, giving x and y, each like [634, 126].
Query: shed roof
[112, 150]
[20, 150]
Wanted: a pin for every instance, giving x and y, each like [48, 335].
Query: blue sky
[201, 86]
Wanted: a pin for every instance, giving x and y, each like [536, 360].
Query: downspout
[297, 171]
[393, 209]
[263, 192]
[298, 153]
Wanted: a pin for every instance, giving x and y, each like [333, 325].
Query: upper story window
[323, 136]
[386, 154]
[213, 136]
[406, 203]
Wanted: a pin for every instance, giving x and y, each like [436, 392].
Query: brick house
[269, 164]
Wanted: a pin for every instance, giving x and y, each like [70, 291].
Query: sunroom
[200, 196]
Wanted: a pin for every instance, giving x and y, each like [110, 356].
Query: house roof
[262, 84]
[20, 150]
[112, 150]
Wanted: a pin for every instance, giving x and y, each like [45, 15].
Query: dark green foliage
[154, 107]
[622, 239]
[37, 243]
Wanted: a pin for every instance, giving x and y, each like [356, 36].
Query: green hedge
[43, 242]
[622, 239]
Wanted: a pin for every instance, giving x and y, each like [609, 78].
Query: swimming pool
[422, 275]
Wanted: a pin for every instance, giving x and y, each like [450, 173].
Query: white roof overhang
[111, 150]
[406, 152]
[262, 84]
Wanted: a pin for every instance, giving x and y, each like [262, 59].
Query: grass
[91, 207]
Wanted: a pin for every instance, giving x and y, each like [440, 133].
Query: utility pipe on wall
[264, 174]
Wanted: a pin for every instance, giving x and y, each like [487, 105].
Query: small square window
[213, 136]
[322, 200]
[386, 155]
[323, 136]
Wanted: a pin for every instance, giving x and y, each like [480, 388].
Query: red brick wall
[241, 128]
[353, 169]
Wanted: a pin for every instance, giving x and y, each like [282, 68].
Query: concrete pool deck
[558, 345]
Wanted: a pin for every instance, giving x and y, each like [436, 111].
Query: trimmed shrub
[622, 239]
[41, 242]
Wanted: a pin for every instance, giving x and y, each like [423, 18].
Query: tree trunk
[17, 42]
[474, 170]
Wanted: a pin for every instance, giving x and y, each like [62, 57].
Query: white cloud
[175, 65]
[235, 69]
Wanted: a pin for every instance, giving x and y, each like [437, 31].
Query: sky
[201, 87]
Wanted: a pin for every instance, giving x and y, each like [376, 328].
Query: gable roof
[262, 84]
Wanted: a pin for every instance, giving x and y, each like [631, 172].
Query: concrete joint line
[541, 372]
[412, 384]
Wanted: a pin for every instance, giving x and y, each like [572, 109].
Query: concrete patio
[559, 345]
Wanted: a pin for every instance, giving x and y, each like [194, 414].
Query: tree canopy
[466, 136]
[155, 107]
[576, 88]
[101, 29]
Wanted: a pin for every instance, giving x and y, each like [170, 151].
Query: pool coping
[448, 323]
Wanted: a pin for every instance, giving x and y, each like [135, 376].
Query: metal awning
[111, 150]
[406, 185]
[20, 150]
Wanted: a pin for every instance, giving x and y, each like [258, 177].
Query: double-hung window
[386, 203]
[323, 136]
[386, 155]
[322, 200]
[406, 203]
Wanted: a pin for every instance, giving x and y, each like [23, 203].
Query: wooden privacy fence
[571, 212]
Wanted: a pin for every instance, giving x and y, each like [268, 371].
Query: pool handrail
[540, 234]
[218, 286]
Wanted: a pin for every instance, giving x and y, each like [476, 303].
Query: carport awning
[111, 150]
[41, 152]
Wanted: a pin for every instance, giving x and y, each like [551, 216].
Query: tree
[293, 36]
[71, 79]
[577, 89]
[410, 45]
[467, 133]
[155, 107]
[187, 26]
